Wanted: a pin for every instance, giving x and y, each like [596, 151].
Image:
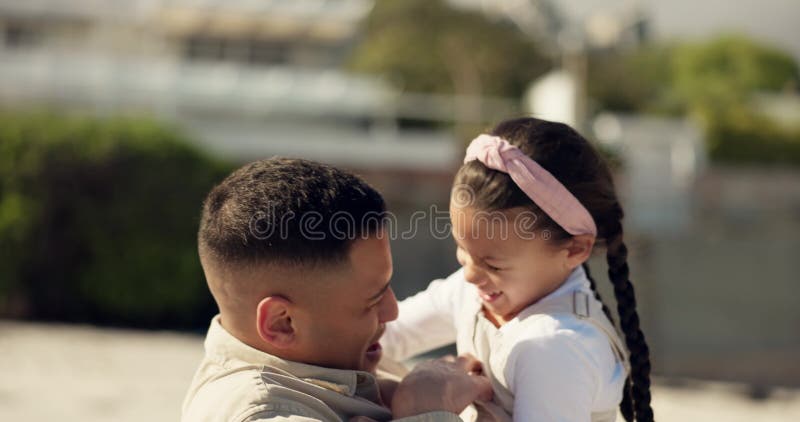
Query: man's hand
[448, 384]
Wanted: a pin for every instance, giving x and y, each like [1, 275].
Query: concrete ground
[81, 373]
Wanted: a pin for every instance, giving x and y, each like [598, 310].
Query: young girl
[528, 205]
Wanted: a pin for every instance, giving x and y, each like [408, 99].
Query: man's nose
[389, 309]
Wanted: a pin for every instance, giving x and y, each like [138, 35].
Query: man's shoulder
[249, 393]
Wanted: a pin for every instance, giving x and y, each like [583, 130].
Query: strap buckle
[580, 304]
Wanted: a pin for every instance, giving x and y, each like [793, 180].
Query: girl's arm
[426, 320]
[553, 378]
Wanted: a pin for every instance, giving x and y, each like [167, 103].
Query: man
[297, 258]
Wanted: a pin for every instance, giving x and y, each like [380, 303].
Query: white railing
[168, 86]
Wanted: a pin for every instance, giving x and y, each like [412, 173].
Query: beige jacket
[237, 383]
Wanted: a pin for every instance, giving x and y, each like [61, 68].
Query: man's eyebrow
[380, 293]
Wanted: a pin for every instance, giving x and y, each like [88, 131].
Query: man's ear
[579, 249]
[274, 322]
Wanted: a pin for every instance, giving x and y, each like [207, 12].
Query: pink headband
[544, 189]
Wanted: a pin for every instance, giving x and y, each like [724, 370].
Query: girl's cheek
[460, 257]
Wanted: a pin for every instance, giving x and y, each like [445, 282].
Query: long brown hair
[584, 172]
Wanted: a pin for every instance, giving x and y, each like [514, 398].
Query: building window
[249, 51]
[268, 52]
[20, 35]
[205, 48]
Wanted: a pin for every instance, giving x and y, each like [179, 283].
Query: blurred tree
[426, 46]
[98, 222]
[723, 73]
[741, 136]
[633, 81]
[679, 77]
[713, 82]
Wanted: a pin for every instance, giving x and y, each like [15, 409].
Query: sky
[775, 21]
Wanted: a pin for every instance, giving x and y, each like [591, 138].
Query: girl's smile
[509, 271]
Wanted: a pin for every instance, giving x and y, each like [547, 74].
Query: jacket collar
[229, 351]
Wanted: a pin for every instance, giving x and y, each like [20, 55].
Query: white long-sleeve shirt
[560, 359]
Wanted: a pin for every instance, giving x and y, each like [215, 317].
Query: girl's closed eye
[491, 267]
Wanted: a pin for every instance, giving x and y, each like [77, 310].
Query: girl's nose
[474, 275]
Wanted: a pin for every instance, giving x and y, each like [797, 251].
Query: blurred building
[712, 251]
[246, 78]
[664, 158]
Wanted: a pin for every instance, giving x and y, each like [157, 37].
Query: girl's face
[511, 265]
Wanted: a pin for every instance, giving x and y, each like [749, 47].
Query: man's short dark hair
[289, 211]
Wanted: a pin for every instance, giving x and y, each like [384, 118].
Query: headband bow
[541, 186]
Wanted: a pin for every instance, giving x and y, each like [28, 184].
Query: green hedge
[745, 137]
[98, 222]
